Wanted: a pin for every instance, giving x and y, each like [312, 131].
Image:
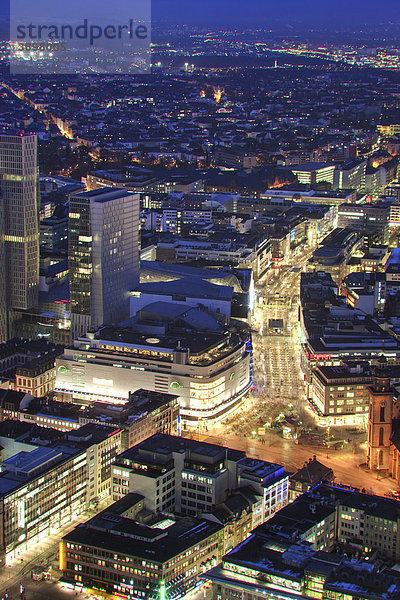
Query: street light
[328, 429]
[162, 589]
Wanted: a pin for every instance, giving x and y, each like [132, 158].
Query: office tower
[103, 256]
[3, 291]
[20, 220]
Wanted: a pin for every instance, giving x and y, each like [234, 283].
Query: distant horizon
[290, 16]
[264, 13]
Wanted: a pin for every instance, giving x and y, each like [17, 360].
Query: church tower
[382, 411]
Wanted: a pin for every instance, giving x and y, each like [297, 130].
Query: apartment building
[29, 365]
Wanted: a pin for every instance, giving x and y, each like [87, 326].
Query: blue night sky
[277, 12]
[257, 13]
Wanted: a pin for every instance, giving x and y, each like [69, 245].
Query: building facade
[20, 224]
[29, 365]
[189, 477]
[340, 396]
[103, 255]
[156, 556]
[210, 370]
[44, 487]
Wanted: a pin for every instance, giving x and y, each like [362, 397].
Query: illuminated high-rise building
[19, 223]
[3, 291]
[103, 250]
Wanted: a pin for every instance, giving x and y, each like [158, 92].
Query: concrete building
[129, 552]
[372, 292]
[144, 414]
[190, 477]
[169, 348]
[336, 333]
[365, 290]
[334, 253]
[243, 251]
[368, 218]
[54, 229]
[350, 175]
[273, 565]
[329, 515]
[305, 194]
[48, 478]
[363, 340]
[340, 395]
[174, 220]
[394, 217]
[314, 172]
[103, 255]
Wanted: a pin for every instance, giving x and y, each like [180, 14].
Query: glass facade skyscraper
[19, 224]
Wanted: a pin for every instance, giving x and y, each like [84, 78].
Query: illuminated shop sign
[317, 356]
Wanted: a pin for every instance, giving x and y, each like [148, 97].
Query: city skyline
[292, 15]
[200, 301]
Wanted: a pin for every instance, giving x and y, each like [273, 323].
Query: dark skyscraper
[19, 224]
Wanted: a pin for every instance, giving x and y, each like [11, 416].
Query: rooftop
[276, 566]
[104, 194]
[27, 463]
[313, 473]
[115, 533]
[193, 287]
[310, 166]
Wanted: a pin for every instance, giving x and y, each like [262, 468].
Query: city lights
[200, 302]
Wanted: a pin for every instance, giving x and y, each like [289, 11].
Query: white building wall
[203, 391]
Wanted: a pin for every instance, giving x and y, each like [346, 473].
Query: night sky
[300, 14]
[276, 12]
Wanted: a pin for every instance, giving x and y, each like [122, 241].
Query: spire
[381, 375]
